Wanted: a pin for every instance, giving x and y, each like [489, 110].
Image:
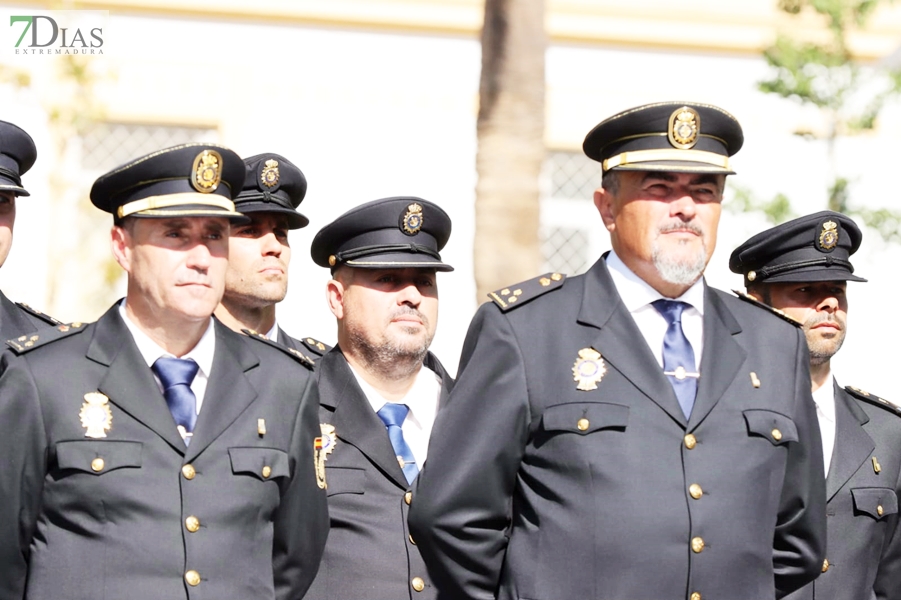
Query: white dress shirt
[824, 398]
[637, 297]
[422, 400]
[272, 334]
[202, 354]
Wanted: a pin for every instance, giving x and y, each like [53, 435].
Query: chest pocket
[775, 427]
[262, 463]
[875, 502]
[98, 458]
[585, 417]
[345, 480]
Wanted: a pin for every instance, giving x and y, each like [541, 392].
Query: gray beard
[684, 272]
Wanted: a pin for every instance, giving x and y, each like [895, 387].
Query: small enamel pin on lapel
[754, 381]
[96, 416]
[261, 427]
[876, 466]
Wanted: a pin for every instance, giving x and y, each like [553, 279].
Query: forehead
[673, 177]
[195, 223]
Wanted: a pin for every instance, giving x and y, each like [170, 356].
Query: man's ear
[120, 244]
[334, 295]
[603, 201]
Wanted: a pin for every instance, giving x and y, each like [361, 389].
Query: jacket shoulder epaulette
[873, 399]
[752, 300]
[27, 343]
[38, 314]
[315, 346]
[516, 295]
[295, 354]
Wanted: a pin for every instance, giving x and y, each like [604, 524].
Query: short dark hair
[762, 290]
[610, 182]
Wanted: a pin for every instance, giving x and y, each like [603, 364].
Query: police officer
[156, 453]
[802, 268]
[17, 155]
[630, 433]
[258, 251]
[380, 390]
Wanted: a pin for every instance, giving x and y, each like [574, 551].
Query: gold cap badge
[322, 447]
[95, 415]
[588, 369]
[828, 235]
[207, 171]
[269, 174]
[684, 127]
[412, 221]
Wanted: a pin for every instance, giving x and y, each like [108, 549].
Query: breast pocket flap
[98, 457]
[876, 502]
[585, 417]
[262, 463]
[775, 427]
[345, 480]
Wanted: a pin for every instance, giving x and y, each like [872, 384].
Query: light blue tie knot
[393, 415]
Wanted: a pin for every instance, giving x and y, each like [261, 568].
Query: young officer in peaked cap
[156, 453]
[259, 254]
[17, 156]
[380, 390]
[801, 268]
[630, 433]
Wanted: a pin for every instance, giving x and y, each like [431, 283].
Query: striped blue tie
[678, 356]
[393, 415]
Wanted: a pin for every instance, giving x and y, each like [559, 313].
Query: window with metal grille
[107, 145]
[569, 181]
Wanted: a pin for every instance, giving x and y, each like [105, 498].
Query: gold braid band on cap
[640, 156]
[155, 202]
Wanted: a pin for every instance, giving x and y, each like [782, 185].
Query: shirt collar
[636, 293]
[272, 334]
[824, 398]
[425, 381]
[202, 353]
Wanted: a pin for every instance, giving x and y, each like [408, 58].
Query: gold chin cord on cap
[641, 156]
[156, 202]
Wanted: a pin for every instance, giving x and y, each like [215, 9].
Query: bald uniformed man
[802, 268]
[156, 453]
[630, 433]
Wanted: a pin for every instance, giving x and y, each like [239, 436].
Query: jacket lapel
[286, 340]
[228, 391]
[621, 343]
[853, 445]
[354, 420]
[721, 359]
[128, 382]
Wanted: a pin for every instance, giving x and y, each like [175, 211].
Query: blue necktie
[176, 375]
[678, 356]
[393, 415]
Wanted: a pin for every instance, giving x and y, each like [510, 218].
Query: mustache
[679, 225]
[408, 311]
[826, 318]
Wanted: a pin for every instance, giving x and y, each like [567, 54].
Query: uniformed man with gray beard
[630, 433]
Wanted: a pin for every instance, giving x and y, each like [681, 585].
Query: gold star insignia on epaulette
[873, 399]
[507, 298]
[752, 300]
